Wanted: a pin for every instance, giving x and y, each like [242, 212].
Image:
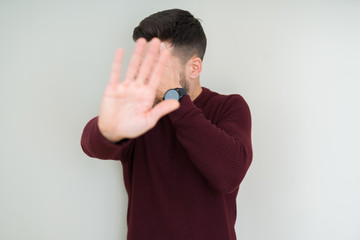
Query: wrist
[175, 93]
[109, 136]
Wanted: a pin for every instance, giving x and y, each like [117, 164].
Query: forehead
[163, 45]
[174, 59]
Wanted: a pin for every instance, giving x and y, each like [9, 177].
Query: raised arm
[222, 150]
[127, 108]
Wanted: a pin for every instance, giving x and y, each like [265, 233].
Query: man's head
[183, 35]
[179, 28]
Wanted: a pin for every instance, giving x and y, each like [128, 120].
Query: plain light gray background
[295, 62]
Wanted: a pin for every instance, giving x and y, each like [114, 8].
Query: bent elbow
[231, 180]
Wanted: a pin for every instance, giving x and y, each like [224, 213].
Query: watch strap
[182, 92]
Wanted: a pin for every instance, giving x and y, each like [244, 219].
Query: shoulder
[226, 101]
[220, 106]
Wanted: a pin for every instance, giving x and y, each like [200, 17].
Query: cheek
[168, 72]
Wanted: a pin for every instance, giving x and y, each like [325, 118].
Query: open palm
[127, 109]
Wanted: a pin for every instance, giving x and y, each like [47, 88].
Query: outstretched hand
[127, 108]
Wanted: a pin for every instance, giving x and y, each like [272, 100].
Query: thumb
[164, 107]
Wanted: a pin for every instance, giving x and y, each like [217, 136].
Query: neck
[195, 91]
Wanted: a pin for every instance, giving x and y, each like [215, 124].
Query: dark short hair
[177, 26]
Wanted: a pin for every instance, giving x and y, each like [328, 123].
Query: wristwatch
[176, 93]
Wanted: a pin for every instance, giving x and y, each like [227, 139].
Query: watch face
[172, 94]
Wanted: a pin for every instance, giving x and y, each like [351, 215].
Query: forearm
[95, 145]
[221, 152]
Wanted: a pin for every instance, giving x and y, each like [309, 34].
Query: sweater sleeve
[222, 151]
[95, 145]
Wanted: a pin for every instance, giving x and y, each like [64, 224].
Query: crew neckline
[200, 99]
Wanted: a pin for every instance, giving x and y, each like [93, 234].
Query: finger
[116, 67]
[163, 108]
[162, 46]
[150, 58]
[159, 69]
[135, 60]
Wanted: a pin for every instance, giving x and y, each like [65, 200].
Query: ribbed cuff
[99, 139]
[186, 106]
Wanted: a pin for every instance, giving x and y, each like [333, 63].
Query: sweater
[182, 177]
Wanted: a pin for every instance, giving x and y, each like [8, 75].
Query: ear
[194, 67]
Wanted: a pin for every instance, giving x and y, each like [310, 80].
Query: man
[184, 149]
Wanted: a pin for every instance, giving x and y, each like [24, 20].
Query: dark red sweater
[182, 177]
